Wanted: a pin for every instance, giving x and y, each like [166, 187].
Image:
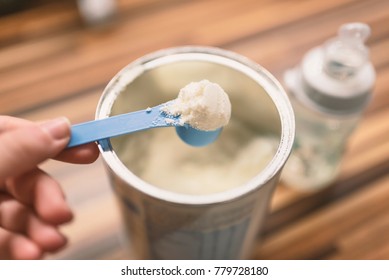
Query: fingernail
[57, 128]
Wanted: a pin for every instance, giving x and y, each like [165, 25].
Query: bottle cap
[338, 77]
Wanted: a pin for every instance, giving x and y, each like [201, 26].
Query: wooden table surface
[52, 64]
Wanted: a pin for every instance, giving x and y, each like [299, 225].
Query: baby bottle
[329, 91]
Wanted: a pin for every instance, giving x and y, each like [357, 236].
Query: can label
[165, 230]
[222, 243]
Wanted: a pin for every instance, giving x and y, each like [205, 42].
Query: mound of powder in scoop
[203, 105]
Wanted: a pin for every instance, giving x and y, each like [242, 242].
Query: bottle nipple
[347, 53]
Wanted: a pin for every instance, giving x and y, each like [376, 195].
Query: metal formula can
[225, 224]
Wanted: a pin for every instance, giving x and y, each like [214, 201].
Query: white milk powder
[203, 105]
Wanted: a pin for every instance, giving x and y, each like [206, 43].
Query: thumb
[23, 148]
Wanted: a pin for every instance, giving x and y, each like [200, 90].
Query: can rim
[253, 70]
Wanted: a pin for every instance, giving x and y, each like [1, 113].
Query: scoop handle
[117, 125]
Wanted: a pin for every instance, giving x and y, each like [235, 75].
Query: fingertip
[24, 249]
[88, 153]
[45, 235]
[49, 201]
[57, 129]
[84, 154]
[50, 239]
[57, 213]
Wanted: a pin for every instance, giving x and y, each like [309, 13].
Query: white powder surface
[160, 158]
[203, 105]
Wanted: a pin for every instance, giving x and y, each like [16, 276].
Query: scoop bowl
[195, 137]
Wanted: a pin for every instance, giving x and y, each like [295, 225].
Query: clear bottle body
[319, 146]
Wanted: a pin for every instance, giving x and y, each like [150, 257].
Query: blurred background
[57, 56]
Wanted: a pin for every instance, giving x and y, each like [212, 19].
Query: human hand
[32, 204]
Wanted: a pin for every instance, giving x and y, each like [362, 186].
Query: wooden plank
[357, 162]
[141, 25]
[31, 52]
[93, 54]
[48, 18]
[365, 241]
[80, 108]
[33, 49]
[264, 19]
[59, 16]
[380, 100]
[370, 131]
[311, 236]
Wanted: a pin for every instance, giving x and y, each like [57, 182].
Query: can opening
[158, 158]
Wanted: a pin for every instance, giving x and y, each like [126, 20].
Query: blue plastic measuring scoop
[136, 121]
